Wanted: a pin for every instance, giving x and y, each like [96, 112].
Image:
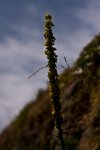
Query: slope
[80, 92]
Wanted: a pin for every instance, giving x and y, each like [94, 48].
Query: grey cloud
[89, 17]
[17, 61]
[19, 16]
[15, 14]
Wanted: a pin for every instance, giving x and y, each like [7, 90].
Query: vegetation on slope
[80, 92]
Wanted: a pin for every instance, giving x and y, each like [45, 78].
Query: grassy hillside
[34, 128]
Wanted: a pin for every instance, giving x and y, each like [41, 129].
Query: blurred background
[22, 45]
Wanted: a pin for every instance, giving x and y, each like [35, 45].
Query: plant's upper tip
[48, 16]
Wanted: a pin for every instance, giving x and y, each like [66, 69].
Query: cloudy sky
[22, 50]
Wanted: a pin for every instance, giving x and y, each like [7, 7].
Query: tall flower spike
[53, 76]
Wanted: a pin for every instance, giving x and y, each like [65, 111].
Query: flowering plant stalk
[53, 77]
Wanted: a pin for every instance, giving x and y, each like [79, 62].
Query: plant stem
[53, 77]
